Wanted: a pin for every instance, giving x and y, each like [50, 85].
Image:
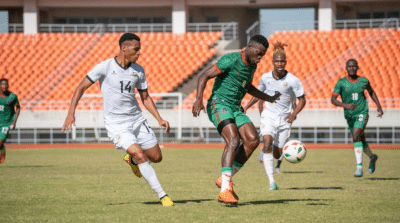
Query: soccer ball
[294, 151]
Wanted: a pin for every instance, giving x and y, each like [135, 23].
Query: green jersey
[353, 92]
[236, 73]
[7, 109]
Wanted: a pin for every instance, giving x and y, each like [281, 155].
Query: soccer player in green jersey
[9, 111]
[234, 74]
[351, 89]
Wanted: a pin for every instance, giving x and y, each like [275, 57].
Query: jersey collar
[243, 59]
[352, 81]
[115, 59]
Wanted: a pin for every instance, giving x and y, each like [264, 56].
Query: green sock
[236, 167]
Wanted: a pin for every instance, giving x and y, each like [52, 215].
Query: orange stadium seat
[309, 51]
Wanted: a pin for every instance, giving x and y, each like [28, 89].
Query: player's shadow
[315, 188]
[286, 201]
[182, 201]
[28, 166]
[380, 178]
[294, 172]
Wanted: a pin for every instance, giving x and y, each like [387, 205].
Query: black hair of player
[3, 79]
[128, 37]
[351, 60]
[260, 39]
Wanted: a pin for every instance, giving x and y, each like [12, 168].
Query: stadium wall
[307, 118]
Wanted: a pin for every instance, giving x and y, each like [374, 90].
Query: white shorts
[277, 127]
[124, 135]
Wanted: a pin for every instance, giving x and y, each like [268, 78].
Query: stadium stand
[54, 64]
[309, 54]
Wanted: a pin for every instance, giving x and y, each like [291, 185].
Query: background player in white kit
[125, 124]
[277, 117]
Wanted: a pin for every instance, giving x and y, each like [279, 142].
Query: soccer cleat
[227, 197]
[273, 186]
[218, 182]
[359, 172]
[260, 157]
[166, 201]
[2, 155]
[277, 170]
[134, 167]
[372, 162]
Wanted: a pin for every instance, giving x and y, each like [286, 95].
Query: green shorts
[359, 121]
[222, 114]
[4, 129]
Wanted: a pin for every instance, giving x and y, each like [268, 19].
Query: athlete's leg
[358, 150]
[269, 160]
[149, 174]
[230, 135]
[248, 134]
[154, 153]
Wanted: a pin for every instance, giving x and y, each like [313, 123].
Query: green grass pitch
[96, 185]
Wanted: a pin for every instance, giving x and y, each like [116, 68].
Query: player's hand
[69, 121]
[164, 124]
[350, 106]
[290, 118]
[197, 107]
[380, 113]
[276, 96]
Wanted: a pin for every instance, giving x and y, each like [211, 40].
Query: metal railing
[332, 135]
[339, 24]
[230, 29]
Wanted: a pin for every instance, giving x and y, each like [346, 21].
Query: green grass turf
[61, 185]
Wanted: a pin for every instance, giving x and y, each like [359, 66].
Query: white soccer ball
[294, 151]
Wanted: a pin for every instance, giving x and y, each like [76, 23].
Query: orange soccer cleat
[227, 197]
[218, 182]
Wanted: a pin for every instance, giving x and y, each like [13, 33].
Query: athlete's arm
[252, 101]
[261, 95]
[297, 109]
[151, 107]
[70, 120]
[17, 110]
[336, 102]
[201, 85]
[375, 98]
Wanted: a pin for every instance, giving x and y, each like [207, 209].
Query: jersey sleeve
[97, 72]
[298, 89]
[338, 88]
[262, 86]
[368, 85]
[142, 83]
[224, 64]
[16, 102]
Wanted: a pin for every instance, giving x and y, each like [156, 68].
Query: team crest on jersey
[244, 84]
[285, 84]
[345, 89]
[113, 72]
[134, 74]
[224, 110]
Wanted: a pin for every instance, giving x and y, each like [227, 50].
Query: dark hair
[261, 40]
[351, 60]
[279, 48]
[3, 79]
[128, 37]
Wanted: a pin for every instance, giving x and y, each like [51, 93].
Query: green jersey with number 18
[352, 91]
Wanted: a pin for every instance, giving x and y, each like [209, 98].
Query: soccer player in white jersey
[277, 117]
[125, 124]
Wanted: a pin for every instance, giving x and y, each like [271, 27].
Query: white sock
[358, 152]
[269, 166]
[149, 174]
[226, 179]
